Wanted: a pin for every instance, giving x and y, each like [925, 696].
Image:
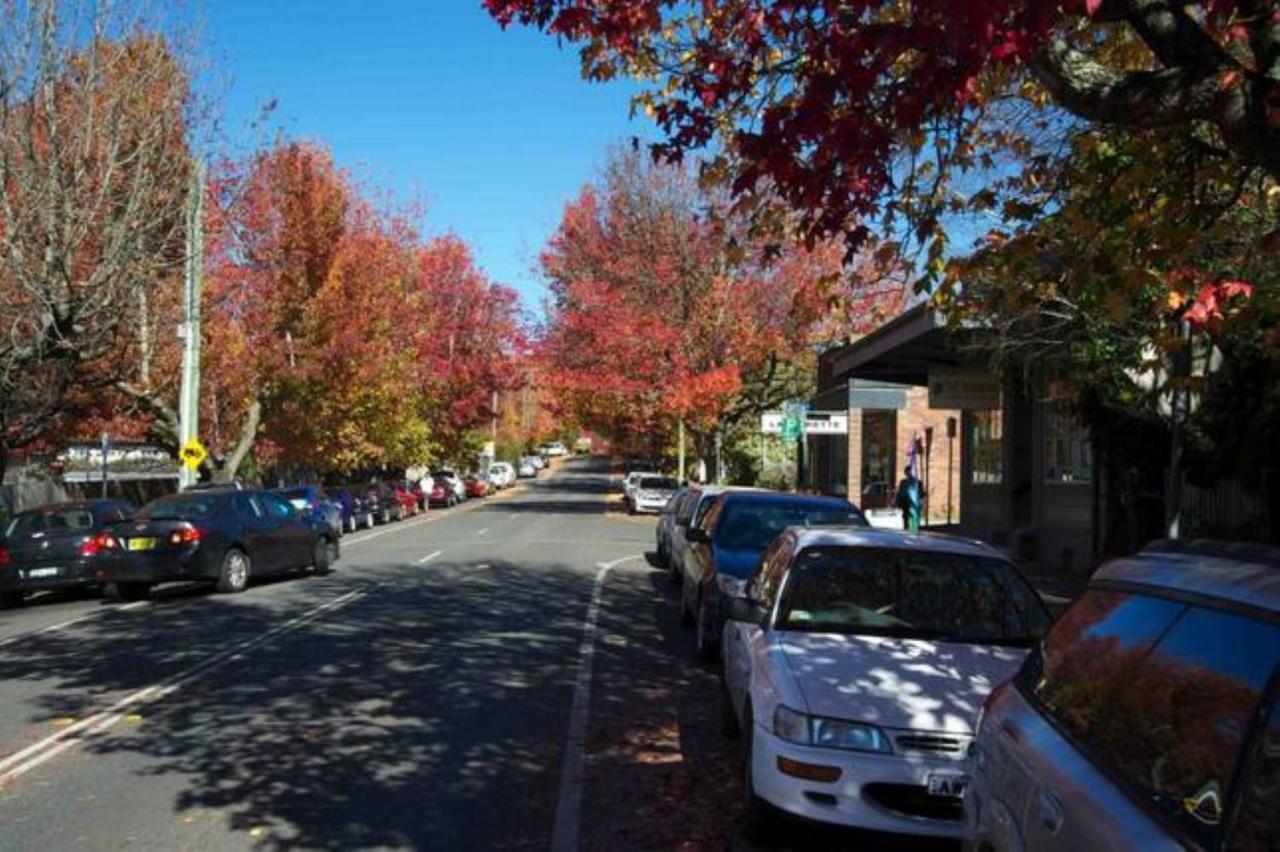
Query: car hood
[737, 562]
[897, 683]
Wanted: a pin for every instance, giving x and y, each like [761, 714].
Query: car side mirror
[746, 611]
[697, 535]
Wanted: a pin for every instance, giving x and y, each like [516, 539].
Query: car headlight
[797, 727]
[730, 586]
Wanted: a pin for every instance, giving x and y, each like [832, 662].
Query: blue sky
[494, 130]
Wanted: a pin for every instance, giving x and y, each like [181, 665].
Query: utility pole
[1179, 403]
[189, 331]
[680, 454]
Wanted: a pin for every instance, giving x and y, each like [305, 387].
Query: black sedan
[226, 537]
[54, 547]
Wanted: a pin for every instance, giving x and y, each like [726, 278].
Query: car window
[1161, 693]
[658, 483]
[276, 507]
[771, 571]
[50, 521]
[684, 514]
[182, 507]
[246, 506]
[953, 597]
[1257, 826]
[752, 524]
[708, 513]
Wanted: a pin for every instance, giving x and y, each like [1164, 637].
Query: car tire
[757, 819]
[729, 725]
[128, 592]
[233, 576]
[708, 650]
[322, 556]
[386, 516]
[351, 524]
[10, 600]
[369, 521]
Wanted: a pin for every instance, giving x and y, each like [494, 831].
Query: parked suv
[1148, 717]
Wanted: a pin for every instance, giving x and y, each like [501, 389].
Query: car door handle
[1050, 810]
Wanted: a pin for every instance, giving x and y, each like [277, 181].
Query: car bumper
[70, 574]
[855, 799]
[643, 505]
[197, 563]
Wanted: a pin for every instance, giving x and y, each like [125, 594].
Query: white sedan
[652, 493]
[855, 667]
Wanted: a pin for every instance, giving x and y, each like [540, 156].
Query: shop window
[879, 447]
[1068, 454]
[987, 442]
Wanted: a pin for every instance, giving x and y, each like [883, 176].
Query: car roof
[851, 536]
[1238, 572]
[757, 495]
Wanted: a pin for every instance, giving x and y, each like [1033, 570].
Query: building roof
[901, 351]
[1244, 574]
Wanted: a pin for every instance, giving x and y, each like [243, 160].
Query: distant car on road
[356, 509]
[854, 666]
[408, 500]
[734, 534]
[502, 475]
[454, 480]
[667, 524]
[313, 499]
[630, 481]
[652, 493]
[553, 449]
[1149, 718]
[54, 547]
[477, 485]
[225, 537]
[526, 469]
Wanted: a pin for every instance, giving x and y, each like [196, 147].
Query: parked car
[408, 500]
[689, 514]
[383, 502]
[454, 480]
[313, 499]
[53, 547]
[477, 485]
[667, 523]
[356, 509]
[225, 537]
[536, 460]
[652, 494]
[526, 470]
[630, 481]
[854, 666]
[1150, 716]
[502, 474]
[442, 493]
[554, 449]
[734, 534]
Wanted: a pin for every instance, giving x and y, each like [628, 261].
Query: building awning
[901, 351]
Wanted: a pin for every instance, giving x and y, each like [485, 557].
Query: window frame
[1137, 797]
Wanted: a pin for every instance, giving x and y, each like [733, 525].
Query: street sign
[771, 423]
[826, 423]
[193, 454]
[791, 429]
[795, 409]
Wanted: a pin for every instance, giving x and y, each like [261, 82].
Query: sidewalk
[1057, 587]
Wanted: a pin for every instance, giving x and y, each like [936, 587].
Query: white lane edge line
[429, 557]
[39, 752]
[564, 837]
[88, 616]
[484, 531]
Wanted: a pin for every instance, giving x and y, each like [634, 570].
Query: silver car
[1147, 719]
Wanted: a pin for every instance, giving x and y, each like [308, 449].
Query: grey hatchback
[1148, 718]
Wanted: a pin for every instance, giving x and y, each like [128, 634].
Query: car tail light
[99, 543]
[5, 560]
[190, 535]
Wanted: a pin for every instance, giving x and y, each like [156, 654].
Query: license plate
[948, 786]
[142, 543]
[35, 573]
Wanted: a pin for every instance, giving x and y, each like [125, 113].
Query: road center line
[564, 837]
[432, 555]
[484, 531]
[39, 752]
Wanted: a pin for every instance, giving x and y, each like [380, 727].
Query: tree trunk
[226, 472]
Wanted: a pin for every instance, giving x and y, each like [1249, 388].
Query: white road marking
[513, 516]
[564, 836]
[37, 753]
[484, 531]
[428, 557]
[483, 565]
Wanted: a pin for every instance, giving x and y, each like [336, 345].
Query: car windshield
[657, 483]
[50, 521]
[751, 525]
[910, 593]
[180, 508]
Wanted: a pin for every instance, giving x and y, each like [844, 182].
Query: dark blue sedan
[54, 547]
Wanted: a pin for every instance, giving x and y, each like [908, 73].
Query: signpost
[193, 455]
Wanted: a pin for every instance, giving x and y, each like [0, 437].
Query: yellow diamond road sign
[193, 453]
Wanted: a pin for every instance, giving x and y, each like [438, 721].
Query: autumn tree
[820, 101]
[94, 118]
[665, 311]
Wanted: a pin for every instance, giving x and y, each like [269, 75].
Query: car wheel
[351, 524]
[728, 717]
[369, 521]
[9, 600]
[708, 649]
[128, 591]
[386, 516]
[233, 577]
[757, 820]
[322, 556]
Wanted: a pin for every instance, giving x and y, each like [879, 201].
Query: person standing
[910, 498]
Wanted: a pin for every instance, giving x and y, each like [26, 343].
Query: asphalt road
[421, 696]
